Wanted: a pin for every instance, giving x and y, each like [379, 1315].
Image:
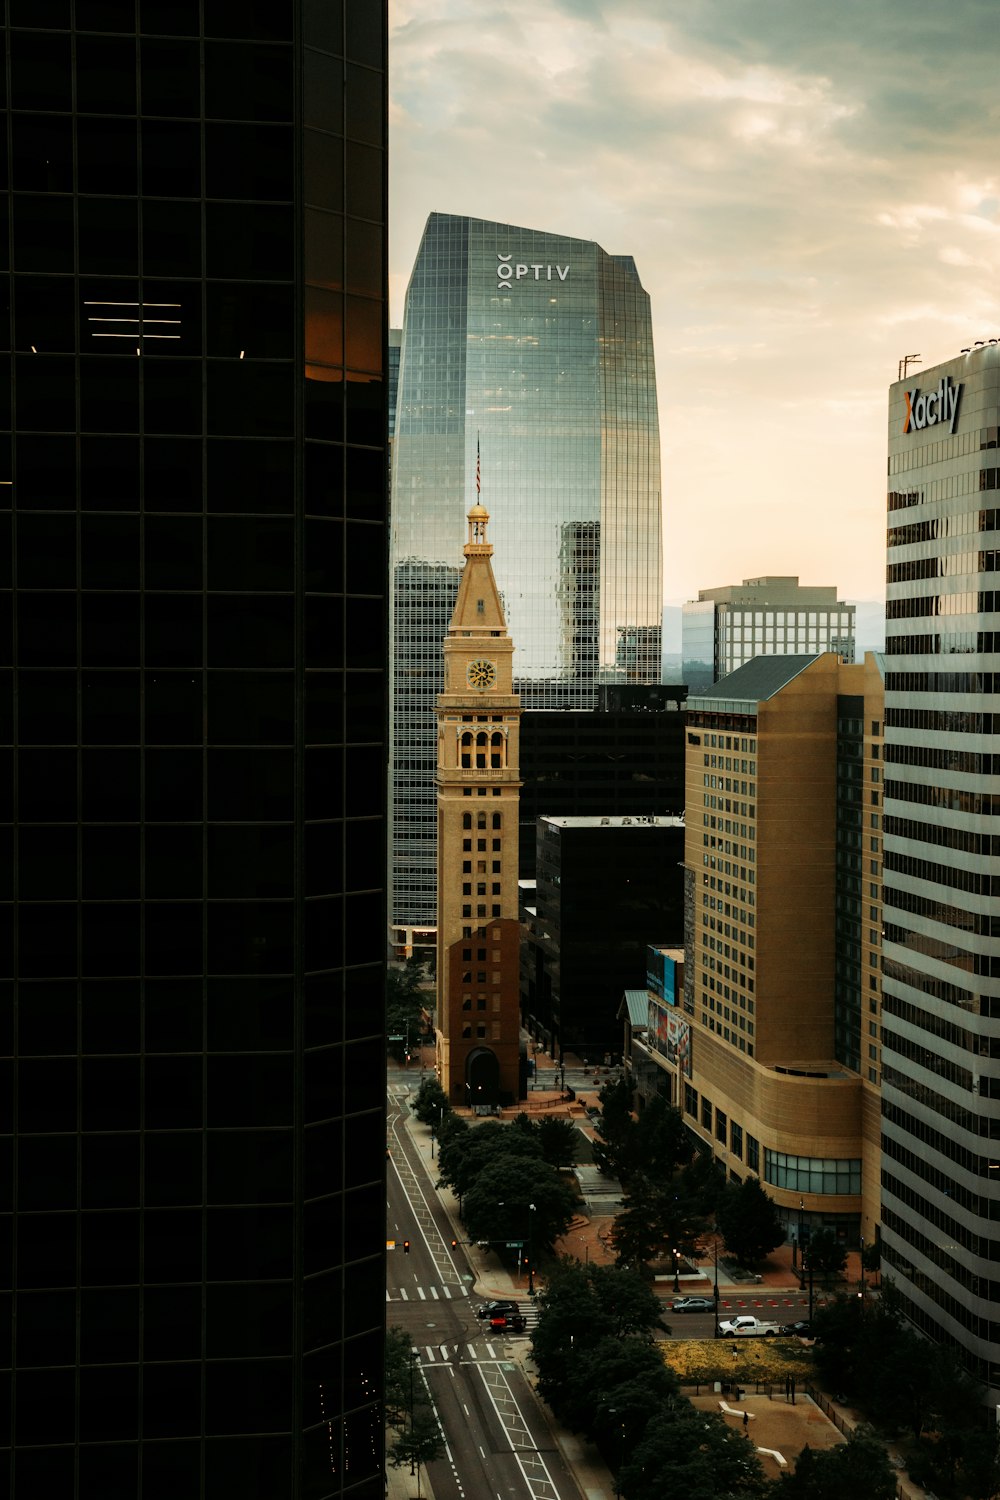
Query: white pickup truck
[746, 1327]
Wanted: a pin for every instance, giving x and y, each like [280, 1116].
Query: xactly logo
[509, 270]
[936, 406]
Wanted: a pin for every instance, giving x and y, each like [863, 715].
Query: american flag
[478, 483]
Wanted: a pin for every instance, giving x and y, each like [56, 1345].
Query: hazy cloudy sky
[810, 189]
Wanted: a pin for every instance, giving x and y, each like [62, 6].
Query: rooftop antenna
[903, 368]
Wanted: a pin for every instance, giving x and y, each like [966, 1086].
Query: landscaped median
[746, 1361]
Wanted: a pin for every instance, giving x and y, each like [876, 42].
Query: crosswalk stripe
[434, 1293]
[402, 1293]
[430, 1353]
[447, 1292]
[421, 1294]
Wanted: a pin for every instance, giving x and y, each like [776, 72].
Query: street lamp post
[715, 1330]
[677, 1266]
[531, 1249]
[802, 1248]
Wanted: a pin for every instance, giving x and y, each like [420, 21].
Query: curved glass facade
[540, 348]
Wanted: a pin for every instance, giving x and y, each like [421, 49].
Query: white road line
[402, 1293]
[472, 1350]
[491, 1351]
[444, 1351]
[434, 1293]
[421, 1294]
[447, 1291]
[430, 1352]
[466, 1410]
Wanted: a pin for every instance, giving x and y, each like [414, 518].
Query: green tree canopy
[587, 1314]
[559, 1141]
[859, 1468]
[748, 1222]
[691, 1453]
[497, 1206]
[654, 1221]
[430, 1102]
[825, 1255]
[404, 1004]
[398, 1376]
[465, 1154]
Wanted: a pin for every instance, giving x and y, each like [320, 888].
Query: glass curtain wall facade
[538, 348]
[192, 749]
[725, 628]
[941, 978]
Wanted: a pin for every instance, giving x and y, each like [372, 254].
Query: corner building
[782, 940]
[941, 1002]
[539, 347]
[192, 749]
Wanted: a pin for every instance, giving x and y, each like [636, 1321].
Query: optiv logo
[936, 406]
[509, 270]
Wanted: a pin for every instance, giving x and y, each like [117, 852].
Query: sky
[810, 190]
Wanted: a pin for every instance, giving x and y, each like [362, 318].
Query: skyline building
[192, 750]
[783, 935]
[478, 781]
[941, 981]
[537, 349]
[724, 628]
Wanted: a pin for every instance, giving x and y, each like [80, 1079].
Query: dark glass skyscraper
[538, 349]
[192, 747]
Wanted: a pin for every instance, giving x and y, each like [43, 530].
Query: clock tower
[478, 785]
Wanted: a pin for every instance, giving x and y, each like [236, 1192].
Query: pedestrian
[793, 1390]
[746, 1420]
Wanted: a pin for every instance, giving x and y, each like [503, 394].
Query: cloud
[808, 192]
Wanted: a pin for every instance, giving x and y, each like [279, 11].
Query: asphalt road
[498, 1442]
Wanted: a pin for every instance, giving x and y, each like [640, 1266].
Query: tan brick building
[782, 990]
[478, 783]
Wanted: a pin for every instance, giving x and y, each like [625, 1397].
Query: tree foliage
[692, 1453]
[518, 1197]
[419, 1443]
[901, 1380]
[464, 1154]
[398, 1376]
[404, 1005]
[654, 1221]
[584, 1309]
[430, 1102]
[559, 1141]
[859, 1468]
[824, 1254]
[748, 1222]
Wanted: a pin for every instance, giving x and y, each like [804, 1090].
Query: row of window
[947, 525]
[967, 602]
[946, 565]
[980, 683]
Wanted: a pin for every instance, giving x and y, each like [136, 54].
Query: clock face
[481, 673]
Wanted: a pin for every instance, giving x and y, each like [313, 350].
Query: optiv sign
[936, 406]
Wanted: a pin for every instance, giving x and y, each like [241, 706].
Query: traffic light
[406, 1247]
[454, 1244]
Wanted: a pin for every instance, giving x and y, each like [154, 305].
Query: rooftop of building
[759, 680]
[773, 589]
[616, 820]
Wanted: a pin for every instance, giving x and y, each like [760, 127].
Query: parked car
[747, 1327]
[801, 1329]
[692, 1304]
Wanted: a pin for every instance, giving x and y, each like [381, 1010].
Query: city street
[497, 1440]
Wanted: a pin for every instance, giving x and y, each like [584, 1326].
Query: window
[706, 1113]
[721, 1123]
[753, 1153]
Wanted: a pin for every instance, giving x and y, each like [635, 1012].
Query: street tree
[430, 1102]
[655, 1220]
[518, 1197]
[859, 1468]
[825, 1255]
[559, 1141]
[421, 1443]
[661, 1142]
[398, 1376]
[404, 1005]
[748, 1222]
[585, 1313]
[615, 1127]
[692, 1453]
[465, 1154]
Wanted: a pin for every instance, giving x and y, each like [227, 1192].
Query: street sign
[390, 1244]
[515, 1244]
[396, 1038]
